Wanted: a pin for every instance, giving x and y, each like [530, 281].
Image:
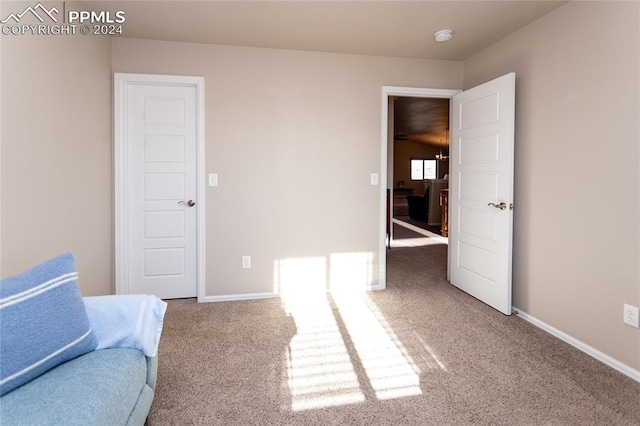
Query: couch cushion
[99, 388]
[43, 321]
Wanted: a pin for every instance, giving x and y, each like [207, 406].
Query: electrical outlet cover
[631, 315]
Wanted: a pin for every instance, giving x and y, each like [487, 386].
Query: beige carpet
[419, 353]
[402, 233]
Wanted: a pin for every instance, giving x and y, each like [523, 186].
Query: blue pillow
[43, 321]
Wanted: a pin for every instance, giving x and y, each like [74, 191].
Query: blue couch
[103, 387]
[68, 360]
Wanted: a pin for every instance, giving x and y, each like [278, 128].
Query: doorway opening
[481, 201]
[415, 156]
[420, 128]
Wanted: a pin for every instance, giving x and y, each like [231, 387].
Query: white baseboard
[234, 297]
[589, 350]
[256, 296]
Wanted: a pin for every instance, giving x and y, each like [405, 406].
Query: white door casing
[481, 174]
[386, 161]
[159, 195]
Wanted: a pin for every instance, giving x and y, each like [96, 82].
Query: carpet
[419, 353]
[402, 233]
[400, 206]
[419, 223]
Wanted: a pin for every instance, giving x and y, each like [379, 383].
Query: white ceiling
[384, 28]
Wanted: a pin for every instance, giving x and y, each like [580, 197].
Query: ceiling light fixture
[443, 35]
[441, 156]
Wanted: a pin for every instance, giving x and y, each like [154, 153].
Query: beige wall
[56, 155]
[576, 234]
[293, 137]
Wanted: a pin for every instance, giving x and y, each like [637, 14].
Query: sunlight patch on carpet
[389, 368]
[344, 351]
[428, 239]
[318, 366]
[414, 242]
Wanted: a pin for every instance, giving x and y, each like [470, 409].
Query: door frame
[386, 159]
[122, 81]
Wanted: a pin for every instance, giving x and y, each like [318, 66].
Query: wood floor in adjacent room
[419, 353]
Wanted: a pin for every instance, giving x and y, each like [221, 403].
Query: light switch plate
[374, 178]
[213, 179]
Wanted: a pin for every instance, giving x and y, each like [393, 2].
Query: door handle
[501, 206]
[189, 203]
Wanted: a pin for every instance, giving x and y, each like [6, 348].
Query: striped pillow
[43, 321]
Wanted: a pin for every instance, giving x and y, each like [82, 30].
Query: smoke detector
[443, 35]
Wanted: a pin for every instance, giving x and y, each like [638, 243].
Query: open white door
[481, 191]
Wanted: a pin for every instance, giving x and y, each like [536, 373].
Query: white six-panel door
[160, 181]
[481, 191]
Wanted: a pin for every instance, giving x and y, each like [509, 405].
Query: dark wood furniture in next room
[444, 206]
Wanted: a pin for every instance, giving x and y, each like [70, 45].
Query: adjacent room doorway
[481, 186]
